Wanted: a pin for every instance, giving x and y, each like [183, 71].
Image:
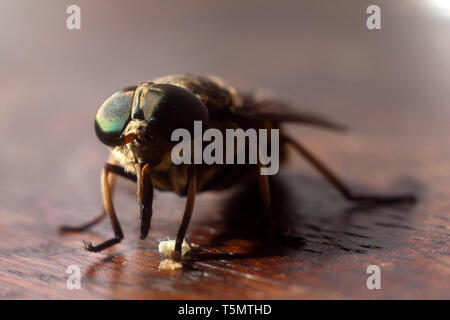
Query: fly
[137, 122]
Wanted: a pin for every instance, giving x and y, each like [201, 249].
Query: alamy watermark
[374, 280]
[263, 147]
[74, 280]
[73, 21]
[373, 21]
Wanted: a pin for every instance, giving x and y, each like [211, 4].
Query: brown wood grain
[390, 88]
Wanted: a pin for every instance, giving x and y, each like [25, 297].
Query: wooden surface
[390, 86]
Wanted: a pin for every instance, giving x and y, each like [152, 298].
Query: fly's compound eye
[167, 107]
[113, 116]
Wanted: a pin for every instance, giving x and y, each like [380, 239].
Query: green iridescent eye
[167, 107]
[113, 116]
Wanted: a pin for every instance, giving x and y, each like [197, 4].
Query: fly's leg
[263, 184]
[264, 190]
[190, 200]
[117, 170]
[145, 199]
[336, 182]
[84, 226]
[109, 208]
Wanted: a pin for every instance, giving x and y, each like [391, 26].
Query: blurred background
[390, 86]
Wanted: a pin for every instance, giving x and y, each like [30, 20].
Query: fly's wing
[265, 108]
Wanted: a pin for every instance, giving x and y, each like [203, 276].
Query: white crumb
[167, 247]
[169, 264]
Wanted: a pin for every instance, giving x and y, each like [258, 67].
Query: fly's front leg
[190, 200]
[340, 186]
[109, 208]
[145, 199]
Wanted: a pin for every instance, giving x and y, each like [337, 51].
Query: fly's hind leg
[340, 186]
[109, 208]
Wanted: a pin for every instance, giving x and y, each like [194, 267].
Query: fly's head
[141, 119]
